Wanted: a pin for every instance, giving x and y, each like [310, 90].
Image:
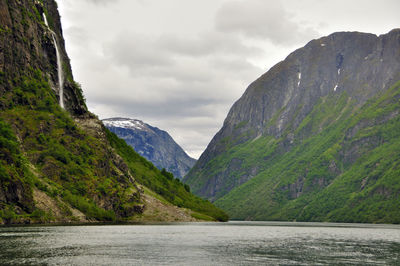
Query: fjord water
[233, 243]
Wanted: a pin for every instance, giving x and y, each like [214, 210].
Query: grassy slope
[163, 183]
[334, 187]
[67, 161]
[13, 172]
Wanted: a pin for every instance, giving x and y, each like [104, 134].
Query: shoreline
[229, 223]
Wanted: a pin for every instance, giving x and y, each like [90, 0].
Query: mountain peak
[154, 144]
[127, 123]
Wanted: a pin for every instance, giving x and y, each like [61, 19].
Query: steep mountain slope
[154, 144]
[61, 163]
[314, 139]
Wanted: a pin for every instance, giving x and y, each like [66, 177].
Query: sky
[180, 65]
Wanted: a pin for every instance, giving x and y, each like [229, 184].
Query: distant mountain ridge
[154, 144]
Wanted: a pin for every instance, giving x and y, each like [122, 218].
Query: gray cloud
[263, 20]
[186, 67]
[210, 43]
[182, 81]
[186, 93]
[77, 34]
[182, 85]
[180, 65]
[138, 50]
[102, 2]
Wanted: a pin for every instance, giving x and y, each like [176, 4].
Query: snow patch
[131, 124]
[323, 44]
[334, 89]
[338, 71]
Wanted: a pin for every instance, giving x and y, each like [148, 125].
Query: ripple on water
[233, 243]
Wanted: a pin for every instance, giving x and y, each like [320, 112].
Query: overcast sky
[181, 64]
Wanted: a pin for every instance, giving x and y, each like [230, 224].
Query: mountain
[58, 162]
[316, 138]
[154, 144]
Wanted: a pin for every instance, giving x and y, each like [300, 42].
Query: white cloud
[102, 2]
[262, 19]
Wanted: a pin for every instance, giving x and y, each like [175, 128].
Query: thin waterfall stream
[59, 63]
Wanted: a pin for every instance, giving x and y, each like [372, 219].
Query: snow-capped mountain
[152, 143]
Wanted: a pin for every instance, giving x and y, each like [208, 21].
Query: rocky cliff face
[316, 86]
[26, 44]
[154, 144]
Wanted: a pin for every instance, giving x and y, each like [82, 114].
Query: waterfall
[299, 78]
[59, 64]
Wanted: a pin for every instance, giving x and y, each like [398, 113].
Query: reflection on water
[233, 243]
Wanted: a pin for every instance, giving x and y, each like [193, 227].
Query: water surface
[233, 243]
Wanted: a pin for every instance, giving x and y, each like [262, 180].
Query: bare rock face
[358, 65]
[154, 144]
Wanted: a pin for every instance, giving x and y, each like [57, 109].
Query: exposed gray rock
[152, 143]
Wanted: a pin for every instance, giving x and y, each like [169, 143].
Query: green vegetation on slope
[73, 166]
[163, 182]
[13, 174]
[348, 170]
